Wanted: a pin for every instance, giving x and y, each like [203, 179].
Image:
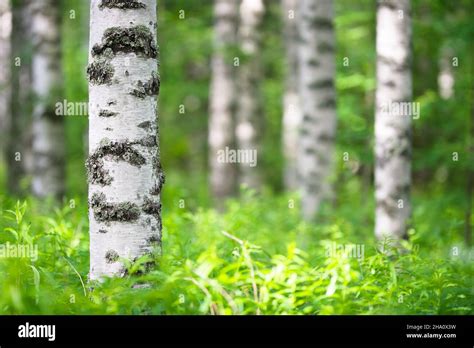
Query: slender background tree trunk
[291, 103]
[125, 177]
[318, 102]
[5, 71]
[48, 128]
[393, 132]
[222, 99]
[250, 118]
[18, 148]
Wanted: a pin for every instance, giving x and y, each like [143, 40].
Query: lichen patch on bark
[160, 175]
[111, 256]
[119, 151]
[149, 88]
[106, 212]
[122, 4]
[100, 72]
[151, 207]
[96, 172]
[138, 39]
[154, 239]
[148, 141]
[156, 189]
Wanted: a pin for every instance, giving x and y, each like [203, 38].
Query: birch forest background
[236, 157]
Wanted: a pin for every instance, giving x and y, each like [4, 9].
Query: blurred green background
[203, 271]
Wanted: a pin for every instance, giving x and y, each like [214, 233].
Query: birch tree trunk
[249, 112]
[124, 168]
[5, 69]
[392, 129]
[48, 128]
[18, 149]
[291, 104]
[222, 100]
[318, 102]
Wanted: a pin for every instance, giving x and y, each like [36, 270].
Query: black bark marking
[319, 23]
[390, 84]
[389, 208]
[390, 204]
[313, 62]
[107, 113]
[156, 190]
[111, 256]
[313, 188]
[120, 151]
[320, 84]
[325, 47]
[96, 172]
[103, 231]
[154, 239]
[149, 88]
[106, 212]
[145, 125]
[309, 119]
[390, 4]
[161, 179]
[100, 72]
[401, 148]
[325, 138]
[327, 104]
[138, 40]
[122, 4]
[304, 132]
[151, 207]
[148, 141]
[397, 66]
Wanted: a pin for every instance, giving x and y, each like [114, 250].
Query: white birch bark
[48, 128]
[222, 100]
[249, 109]
[124, 168]
[318, 102]
[5, 70]
[291, 104]
[392, 131]
[446, 73]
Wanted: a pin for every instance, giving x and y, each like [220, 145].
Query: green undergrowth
[256, 258]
